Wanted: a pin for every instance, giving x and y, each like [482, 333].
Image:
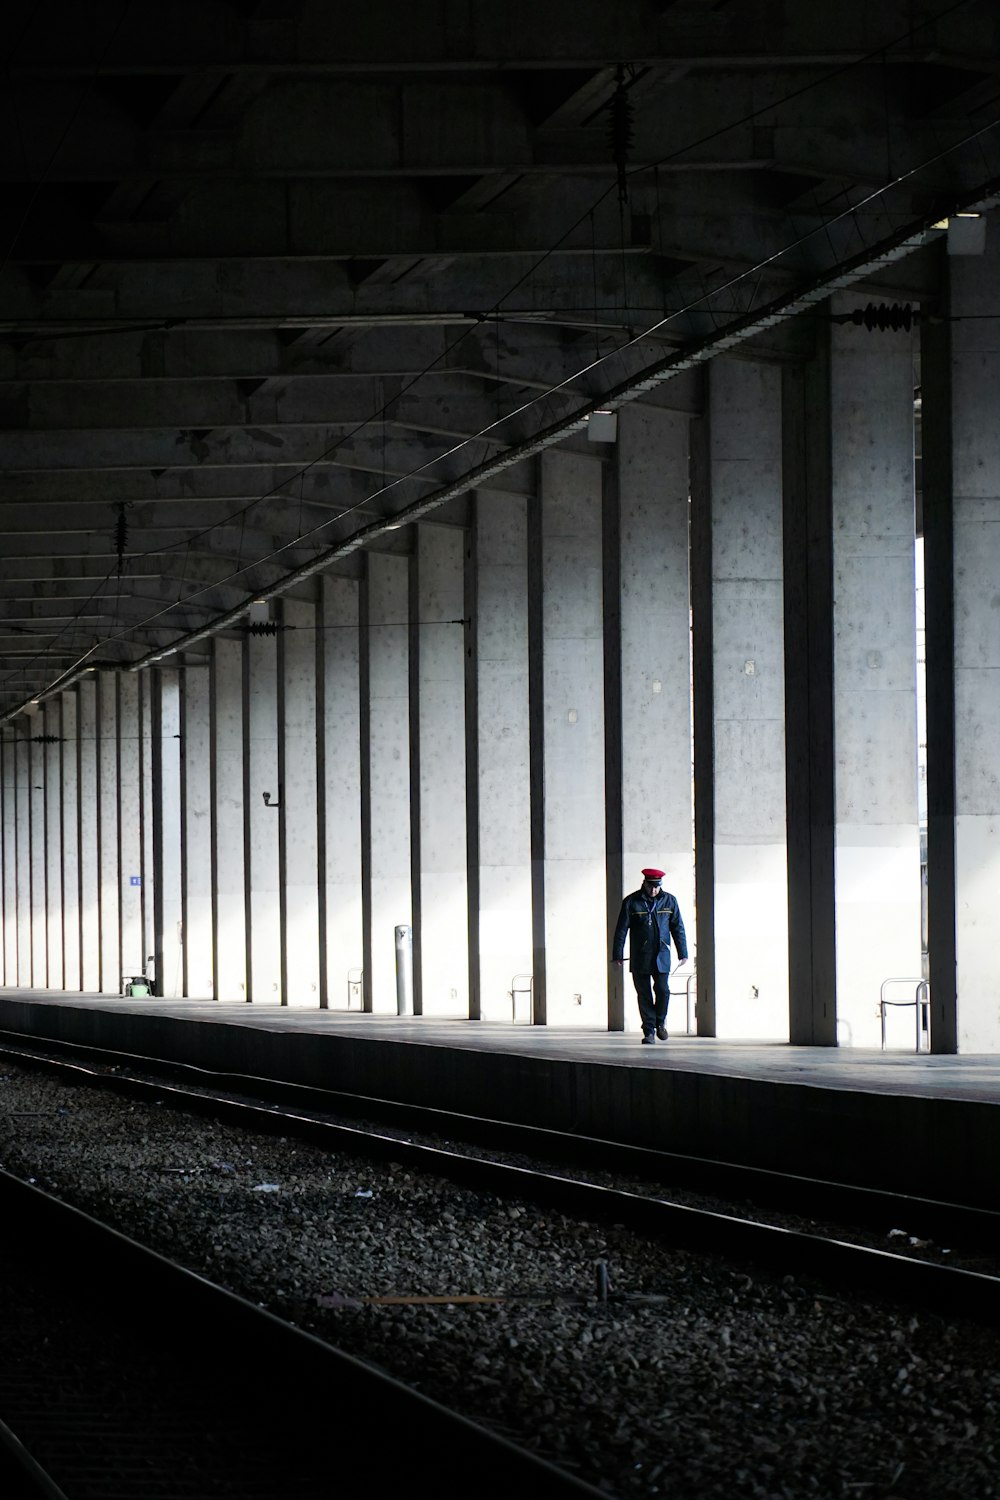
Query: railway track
[124, 1376]
[307, 1113]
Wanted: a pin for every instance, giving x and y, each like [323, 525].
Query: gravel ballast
[720, 1380]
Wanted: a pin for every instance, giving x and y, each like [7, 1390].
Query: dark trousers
[653, 1012]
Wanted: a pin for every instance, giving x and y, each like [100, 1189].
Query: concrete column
[809, 743]
[8, 750]
[197, 835]
[69, 772]
[129, 829]
[298, 811]
[340, 788]
[36, 804]
[962, 552]
[147, 687]
[51, 716]
[576, 949]
[261, 713]
[229, 936]
[386, 777]
[441, 949]
[501, 732]
[748, 773]
[875, 721]
[90, 902]
[22, 792]
[168, 933]
[652, 465]
[107, 825]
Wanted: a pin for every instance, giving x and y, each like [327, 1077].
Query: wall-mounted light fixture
[602, 427]
[270, 801]
[967, 234]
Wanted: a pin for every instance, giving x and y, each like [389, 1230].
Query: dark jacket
[650, 926]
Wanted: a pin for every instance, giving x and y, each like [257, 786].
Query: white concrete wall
[69, 772]
[299, 804]
[90, 921]
[657, 811]
[751, 870]
[227, 707]
[875, 725]
[389, 767]
[170, 979]
[107, 838]
[504, 771]
[573, 714]
[976, 480]
[53, 843]
[147, 683]
[36, 803]
[9, 754]
[22, 782]
[197, 834]
[262, 729]
[130, 843]
[342, 789]
[441, 708]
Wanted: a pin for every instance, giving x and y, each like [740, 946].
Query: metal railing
[692, 1008]
[521, 989]
[921, 1002]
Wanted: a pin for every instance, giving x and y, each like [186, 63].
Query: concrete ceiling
[274, 270]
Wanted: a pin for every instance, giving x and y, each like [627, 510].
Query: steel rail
[945, 1290]
[815, 1197]
[22, 1477]
[433, 1449]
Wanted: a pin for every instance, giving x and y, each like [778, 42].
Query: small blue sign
[135, 880]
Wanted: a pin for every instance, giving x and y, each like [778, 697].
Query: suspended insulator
[264, 627]
[46, 739]
[884, 317]
[622, 113]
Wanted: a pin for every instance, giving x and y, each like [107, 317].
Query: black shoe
[648, 1040]
[661, 1032]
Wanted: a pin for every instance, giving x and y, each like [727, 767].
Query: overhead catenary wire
[496, 311]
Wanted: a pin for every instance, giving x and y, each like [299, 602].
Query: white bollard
[404, 971]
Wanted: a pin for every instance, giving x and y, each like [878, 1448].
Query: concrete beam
[384, 37]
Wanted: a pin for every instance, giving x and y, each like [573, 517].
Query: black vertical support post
[77, 755]
[156, 730]
[536, 745]
[6, 856]
[611, 559]
[213, 794]
[44, 768]
[182, 720]
[809, 721]
[279, 714]
[703, 712]
[413, 703]
[939, 604]
[472, 875]
[120, 731]
[365, 726]
[321, 832]
[98, 832]
[247, 851]
[62, 842]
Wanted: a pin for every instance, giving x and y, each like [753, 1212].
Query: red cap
[653, 874]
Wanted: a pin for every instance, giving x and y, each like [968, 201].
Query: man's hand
[617, 960]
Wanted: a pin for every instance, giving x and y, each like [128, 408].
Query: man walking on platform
[651, 917]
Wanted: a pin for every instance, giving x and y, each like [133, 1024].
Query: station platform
[922, 1125]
